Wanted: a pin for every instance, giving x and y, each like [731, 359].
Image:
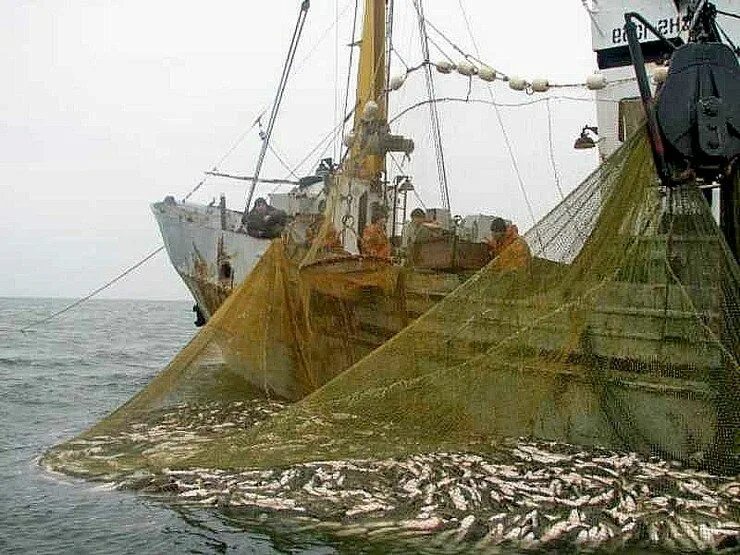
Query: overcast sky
[106, 106]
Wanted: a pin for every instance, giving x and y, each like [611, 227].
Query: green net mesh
[621, 331]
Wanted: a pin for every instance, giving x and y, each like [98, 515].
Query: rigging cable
[505, 134]
[214, 171]
[729, 14]
[438, 47]
[460, 51]
[389, 48]
[400, 169]
[231, 149]
[433, 112]
[299, 66]
[552, 150]
[336, 72]
[282, 162]
[70, 306]
[330, 134]
[722, 32]
[297, 32]
[445, 99]
[349, 68]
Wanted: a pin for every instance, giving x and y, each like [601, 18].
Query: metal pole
[638, 61]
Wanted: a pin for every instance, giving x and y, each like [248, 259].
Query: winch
[694, 119]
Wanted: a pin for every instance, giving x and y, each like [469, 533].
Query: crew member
[413, 230]
[507, 248]
[265, 221]
[375, 238]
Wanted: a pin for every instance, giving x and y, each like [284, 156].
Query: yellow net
[621, 331]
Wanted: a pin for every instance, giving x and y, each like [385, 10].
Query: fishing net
[621, 331]
[618, 328]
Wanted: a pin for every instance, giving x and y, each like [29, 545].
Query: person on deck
[375, 240]
[507, 248]
[265, 221]
[414, 229]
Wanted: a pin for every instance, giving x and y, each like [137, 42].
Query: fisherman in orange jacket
[375, 239]
[507, 248]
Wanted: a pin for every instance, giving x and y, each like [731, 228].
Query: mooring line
[90, 295]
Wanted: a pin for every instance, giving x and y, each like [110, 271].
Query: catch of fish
[527, 495]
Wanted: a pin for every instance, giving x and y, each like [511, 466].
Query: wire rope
[90, 295]
[504, 132]
[433, 112]
[551, 150]
[349, 67]
[292, 49]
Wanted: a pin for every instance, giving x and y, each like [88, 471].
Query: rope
[552, 150]
[301, 64]
[292, 49]
[349, 68]
[231, 149]
[460, 51]
[237, 142]
[416, 193]
[282, 162]
[505, 134]
[433, 112]
[336, 75]
[493, 103]
[722, 32]
[322, 141]
[729, 14]
[92, 293]
[438, 47]
[214, 171]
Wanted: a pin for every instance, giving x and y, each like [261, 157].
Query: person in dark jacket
[265, 221]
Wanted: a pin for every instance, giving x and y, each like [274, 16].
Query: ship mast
[370, 139]
[371, 77]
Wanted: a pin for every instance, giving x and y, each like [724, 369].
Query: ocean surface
[64, 376]
[61, 378]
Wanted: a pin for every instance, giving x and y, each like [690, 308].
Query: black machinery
[694, 120]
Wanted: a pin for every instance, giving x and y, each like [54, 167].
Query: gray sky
[108, 105]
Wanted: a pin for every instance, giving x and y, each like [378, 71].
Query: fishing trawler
[638, 320]
[209, 245]
[621, 331]
[210, 250]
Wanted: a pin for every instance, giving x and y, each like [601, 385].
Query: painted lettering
[666, 26]
[675, 25]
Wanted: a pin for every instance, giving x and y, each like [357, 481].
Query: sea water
[64, 376]
[61, 378]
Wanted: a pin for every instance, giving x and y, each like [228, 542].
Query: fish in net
[621, 331]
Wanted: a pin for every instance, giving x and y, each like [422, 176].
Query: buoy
[467, 69]
[397, 81]
[517, 83]
[445, 66]
[596, 81]
[540, 85]
[487, 73]
[370, 111]
[660, 74]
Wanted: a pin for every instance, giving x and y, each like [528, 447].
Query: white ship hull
[206, 249]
